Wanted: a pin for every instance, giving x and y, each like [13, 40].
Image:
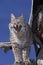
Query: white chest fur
[14, 38]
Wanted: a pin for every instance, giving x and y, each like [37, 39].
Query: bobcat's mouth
[17, 28]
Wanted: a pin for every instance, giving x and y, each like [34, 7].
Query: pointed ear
[12, 17]
[22, 16]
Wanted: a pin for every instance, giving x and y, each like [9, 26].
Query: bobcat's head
[17, 24]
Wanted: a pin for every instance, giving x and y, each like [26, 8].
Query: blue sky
[17, 7]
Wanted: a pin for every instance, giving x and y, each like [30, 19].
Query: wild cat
[21, 38]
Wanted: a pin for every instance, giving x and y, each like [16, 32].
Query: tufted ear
[12, 18]
[22, 17]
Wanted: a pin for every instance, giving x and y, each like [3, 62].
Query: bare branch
[5, 44]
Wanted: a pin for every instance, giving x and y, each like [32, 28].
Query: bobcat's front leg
[25, 54]
[17, 52]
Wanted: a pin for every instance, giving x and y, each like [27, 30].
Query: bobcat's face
[18, 26]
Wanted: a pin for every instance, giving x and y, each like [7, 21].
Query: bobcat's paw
[27, 62]
[19, 63]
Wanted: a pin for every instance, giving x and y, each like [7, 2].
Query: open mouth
[17, 28]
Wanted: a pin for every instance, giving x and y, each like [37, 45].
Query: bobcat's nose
[17, 28]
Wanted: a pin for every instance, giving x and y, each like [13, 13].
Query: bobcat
[21, 38]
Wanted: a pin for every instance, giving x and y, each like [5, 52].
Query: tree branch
[5, 44]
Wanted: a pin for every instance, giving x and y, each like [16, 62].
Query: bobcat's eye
[20, 26]
[15, 25]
